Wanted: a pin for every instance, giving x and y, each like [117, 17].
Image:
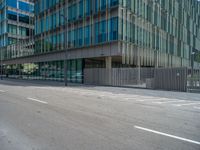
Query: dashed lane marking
[167, 135]
[36, 100]
[196, 107]
[187, 104]
[166, 102]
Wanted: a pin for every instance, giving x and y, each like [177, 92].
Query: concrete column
[109, 69]
[108, 62]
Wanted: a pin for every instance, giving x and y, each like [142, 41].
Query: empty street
[36, 116]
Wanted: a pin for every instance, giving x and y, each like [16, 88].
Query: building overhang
[101, 50]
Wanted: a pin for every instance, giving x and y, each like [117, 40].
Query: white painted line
[165, 102]
[36, 100]
[187, 104]
[196, 107]
[130, 98]
[168, 135]
[150, 99]
[140, 100]
[2, 91]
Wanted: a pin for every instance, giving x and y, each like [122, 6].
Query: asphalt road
[40, 117]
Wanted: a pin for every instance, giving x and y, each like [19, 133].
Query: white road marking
[196, 107]
[2, 91]
[187, 104]
[151, 99]
[36, 100]
[140, 100]
[131, 98]
[165, 102]
[168, 135]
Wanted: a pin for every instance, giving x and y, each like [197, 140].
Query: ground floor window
[52, 70]
[75, 71]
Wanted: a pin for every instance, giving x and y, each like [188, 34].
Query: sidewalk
[45, 83]
[121, 91]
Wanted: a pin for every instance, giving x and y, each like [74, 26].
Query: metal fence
[117, 76]
[174, 79]
[193, 80]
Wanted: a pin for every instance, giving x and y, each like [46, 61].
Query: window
[96, 6]
[80, 40]
[79, 70]
[87, 35]
[23, 18]
[114, 2]
[12, 29]
[69, 39]
[87, 5]
[76, 37]
[12, 15]
[54, 41]
[74, 11]
[75, 70]
[103, 31]
[25, 6]
[11, 41]
[72, 38]
[100, 32]
[81, 9]
[47, 24]
[12, 3]
[103, 4]
[114, 28]
[96, 32]
[24, 31]
[69, 13]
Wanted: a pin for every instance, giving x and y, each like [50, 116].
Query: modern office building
[16, 21]
[108, 33]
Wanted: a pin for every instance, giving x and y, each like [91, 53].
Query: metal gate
[172, 79]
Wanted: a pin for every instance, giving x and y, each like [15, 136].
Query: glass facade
[44, 71]
[26, 7]
[53, 70]
[148, 33]
[88, 31]
[167, 28]
[15, 15]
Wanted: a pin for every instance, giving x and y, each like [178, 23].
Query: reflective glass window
[25, 6]
[12, 15]
[12, 3]
[23, 18]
